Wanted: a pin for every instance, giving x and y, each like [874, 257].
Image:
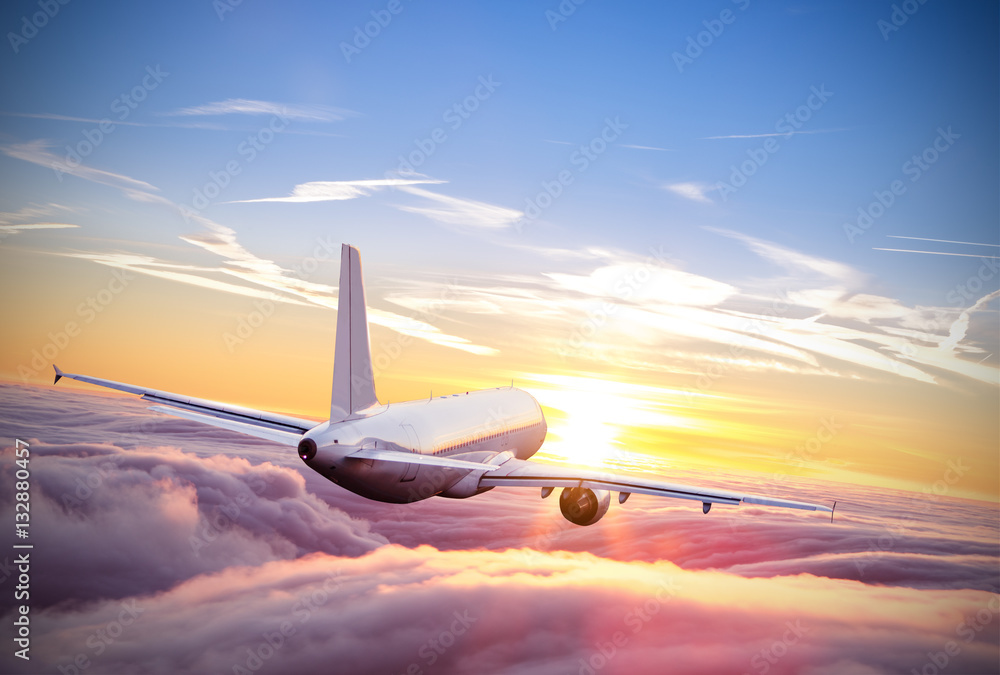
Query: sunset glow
[746, 246]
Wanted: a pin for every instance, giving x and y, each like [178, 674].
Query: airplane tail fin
[353, 381]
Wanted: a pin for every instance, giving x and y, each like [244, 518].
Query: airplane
[455, 446]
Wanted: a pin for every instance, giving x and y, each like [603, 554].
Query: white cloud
[621, 311]
[769, 135]
[693, 191]
[33, 212]
[644, 147]
[795, 261]
[942, 241]
[960, 255]
[958, 329]
[243, 106]
[322, 191]
[262, 278]
[836, 302]
[461, 212]
[11, 229]
[643, 283]
[37, 152]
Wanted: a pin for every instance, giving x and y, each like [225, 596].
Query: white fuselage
[473, 426]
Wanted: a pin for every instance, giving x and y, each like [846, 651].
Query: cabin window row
[490, 437]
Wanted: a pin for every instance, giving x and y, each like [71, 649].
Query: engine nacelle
[583, 506]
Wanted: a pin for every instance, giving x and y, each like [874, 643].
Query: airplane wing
[271, 426]
[426, 460]
[521, 473]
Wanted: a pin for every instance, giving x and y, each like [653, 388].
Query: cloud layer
[163, 546]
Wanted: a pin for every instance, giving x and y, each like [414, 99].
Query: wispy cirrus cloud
[446, 209]
[323, 191]
[942, 241]
[960, 255]
[795, 261]
[259, 277]
[38, 152]
[644, 147]
[697, 192]
[10, 229]
[12, 222]
[816, 317]
[461, 212]
[34, 212]
[243, 106]
[124, 123]
[775, 133]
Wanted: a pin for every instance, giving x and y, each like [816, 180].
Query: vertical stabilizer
[353, 383]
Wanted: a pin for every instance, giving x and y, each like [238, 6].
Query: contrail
[943, 241]
[964, 255]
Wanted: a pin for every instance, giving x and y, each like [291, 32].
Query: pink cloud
[179, 559]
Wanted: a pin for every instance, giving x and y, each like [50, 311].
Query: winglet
[832, 511]
[59, 374]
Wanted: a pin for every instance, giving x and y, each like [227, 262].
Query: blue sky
[556, 86]
[663, 321]
[492, 103]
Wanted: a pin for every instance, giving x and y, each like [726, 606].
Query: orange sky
[869, 428]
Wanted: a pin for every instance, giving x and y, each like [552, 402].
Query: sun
[587, 432]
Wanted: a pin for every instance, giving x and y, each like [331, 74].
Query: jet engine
[583, 506]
